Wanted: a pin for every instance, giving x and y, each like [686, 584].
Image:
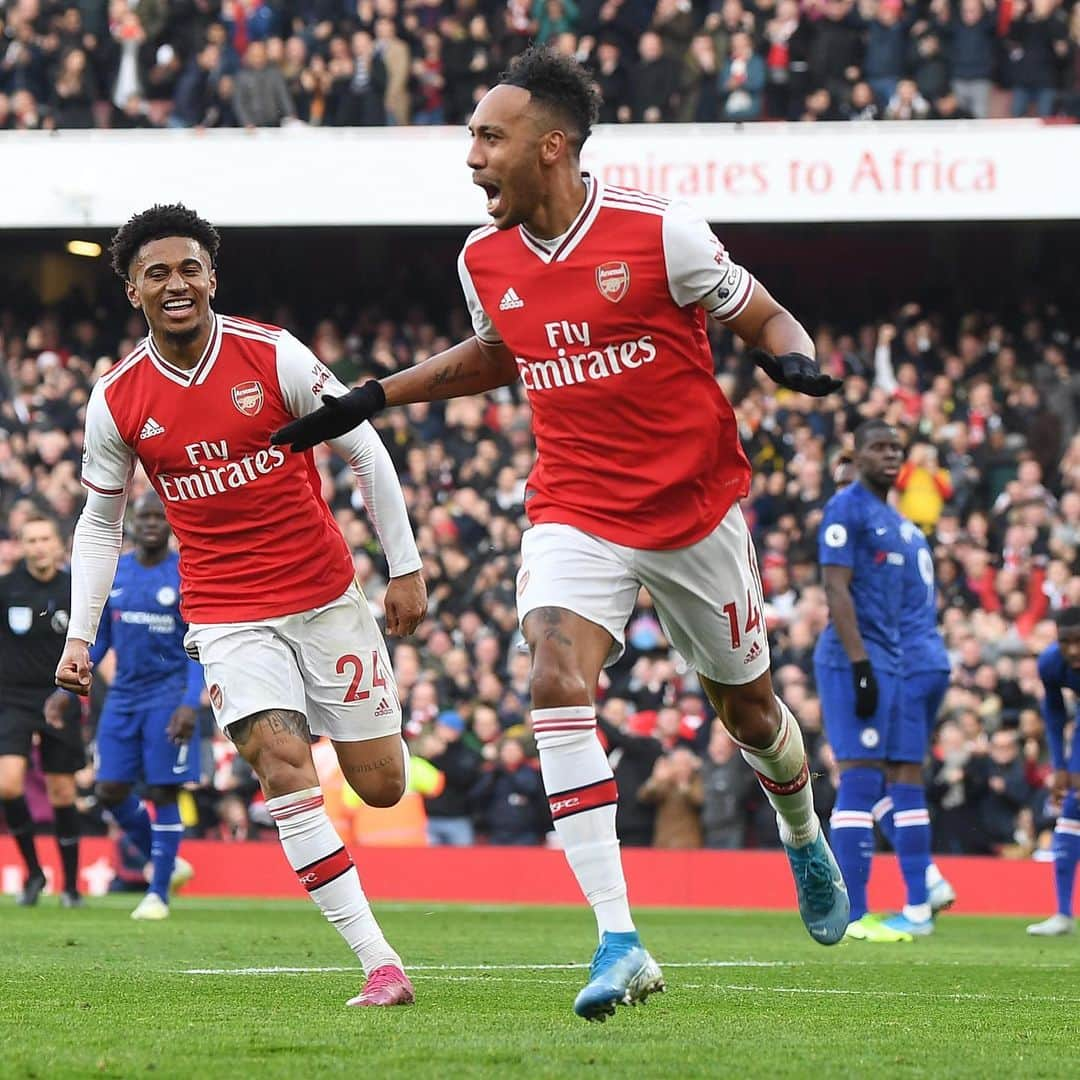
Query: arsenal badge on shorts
[216, 696]
[613, 280]
[248, 397]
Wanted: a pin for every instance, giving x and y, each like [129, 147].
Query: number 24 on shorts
[358, 666]
[753, 619]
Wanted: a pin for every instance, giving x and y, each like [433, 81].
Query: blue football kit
[863, 533]
[141, 622]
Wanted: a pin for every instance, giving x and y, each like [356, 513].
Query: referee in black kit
[35, 600]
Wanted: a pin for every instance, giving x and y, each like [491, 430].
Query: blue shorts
[853, 737]
[921, 699]
[132, 745]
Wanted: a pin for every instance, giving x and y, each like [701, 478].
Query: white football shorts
[329, 663]
[708, 596]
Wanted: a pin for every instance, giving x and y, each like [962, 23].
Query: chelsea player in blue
[147, 729]
[1059, 669]
[858, 661]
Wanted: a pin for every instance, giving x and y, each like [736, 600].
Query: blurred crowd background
[989, 407]
[264, 63]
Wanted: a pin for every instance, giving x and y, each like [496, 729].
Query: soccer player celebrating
[287, 642]
[36, 599]
[147, 728]
[595, 297]
[858, 659]
[1059, 669]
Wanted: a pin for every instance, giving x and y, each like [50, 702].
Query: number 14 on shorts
[753, 619]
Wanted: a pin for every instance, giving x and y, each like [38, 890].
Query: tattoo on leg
[553, 620]
[374, 766]
[273, 721]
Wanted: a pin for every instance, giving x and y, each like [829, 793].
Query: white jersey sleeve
[483, 327]
[108, 461]
[303, 379]
[95, 548]
[699, 269]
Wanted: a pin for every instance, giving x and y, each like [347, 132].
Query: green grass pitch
[90, 993]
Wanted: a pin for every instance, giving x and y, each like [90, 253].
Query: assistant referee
[35, 599]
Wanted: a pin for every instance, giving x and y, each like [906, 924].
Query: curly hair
[560, 83]
[159, 221]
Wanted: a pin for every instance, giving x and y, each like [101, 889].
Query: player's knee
[110, 792]
[553, 684]
[162, 794]
[383, 789]
[752, 713]
[10, 788]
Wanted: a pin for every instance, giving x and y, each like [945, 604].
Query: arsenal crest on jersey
[248, 397]
[613, 280]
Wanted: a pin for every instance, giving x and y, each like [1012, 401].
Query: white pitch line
[475, 967]
[944, 995]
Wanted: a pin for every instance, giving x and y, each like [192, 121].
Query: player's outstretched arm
[780, 346]
[95, 548]
[471, 367]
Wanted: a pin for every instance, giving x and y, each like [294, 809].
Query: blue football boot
[823, 898]
[621, 973]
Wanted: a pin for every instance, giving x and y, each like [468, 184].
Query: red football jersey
[256, 538]
[636, 442]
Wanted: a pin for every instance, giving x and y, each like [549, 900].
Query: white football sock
[326, 870]
[582, 796]
[785, 778]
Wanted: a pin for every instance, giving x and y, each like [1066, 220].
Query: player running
[595, 297]
[901, 813]
[147, 730]
[1059, 669]
[285, 637]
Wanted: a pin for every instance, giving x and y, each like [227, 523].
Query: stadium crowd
[264, 63]
[990, 410]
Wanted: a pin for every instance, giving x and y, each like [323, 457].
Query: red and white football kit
[267, 579]
[639, 467]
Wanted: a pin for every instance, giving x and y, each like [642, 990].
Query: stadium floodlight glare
[86, 248]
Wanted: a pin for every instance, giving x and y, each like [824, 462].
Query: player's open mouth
[178, 308]
[494, 196]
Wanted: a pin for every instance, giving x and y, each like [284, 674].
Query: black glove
[337, 416]
[796, 372]
[866, 691]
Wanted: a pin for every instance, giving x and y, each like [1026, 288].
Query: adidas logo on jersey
[510, 301]
[384, 709]
[151, 428]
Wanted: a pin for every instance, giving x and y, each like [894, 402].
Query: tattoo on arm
[271, 722]
[447, 375]
[553, 631]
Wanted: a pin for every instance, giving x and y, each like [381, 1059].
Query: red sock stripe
[578, 800]
[788, 787]
[295, 808]
[323, 871]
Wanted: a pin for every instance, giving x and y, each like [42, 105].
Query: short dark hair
[868, 428]
[1068, 619]
[173, 219]
[560, 83]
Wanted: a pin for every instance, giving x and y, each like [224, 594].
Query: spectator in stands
[953, 791]
[863, 105]
[509, 797]
[1036, 43]
[924, 486]
[782, 50]
[448, 812]
[1007, 792]
[727, 782]
[907, 103]
[632, 751]
[359, 83]
[887, 44]
[675, 788]
[654, 82]
[195, 89]
[261, 98]
[742, 81]
[969, 45]
[397, 59]
[614, 82]
[930, 67]
[675, 22]
[74, 92]
[430, 83]
[835, 55]
[554, 17]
